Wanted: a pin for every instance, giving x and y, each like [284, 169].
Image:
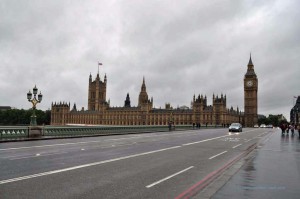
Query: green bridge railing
[11, 132]
[104, 130]
[8, 133]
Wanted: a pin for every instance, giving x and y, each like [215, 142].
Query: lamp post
[34, 102]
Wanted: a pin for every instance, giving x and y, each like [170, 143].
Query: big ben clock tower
[250, 95]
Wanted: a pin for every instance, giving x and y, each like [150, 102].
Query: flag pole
[98, 66]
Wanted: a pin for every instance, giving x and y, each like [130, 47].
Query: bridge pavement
[271, 172]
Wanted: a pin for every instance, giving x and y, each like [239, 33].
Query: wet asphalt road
[155, 165]
[273, 171]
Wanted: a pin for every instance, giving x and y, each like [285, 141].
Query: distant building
[5, 108]
[101, 113]
[294, 113]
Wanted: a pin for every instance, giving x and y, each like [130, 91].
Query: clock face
[249, 83]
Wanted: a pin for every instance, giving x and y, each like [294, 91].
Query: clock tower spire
[250, 95]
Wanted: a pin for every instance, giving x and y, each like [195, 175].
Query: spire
[144, 85]
[143, 97]
[250, 71]
[90, 78]
[127, 101]
[74, 107]
[250, 61]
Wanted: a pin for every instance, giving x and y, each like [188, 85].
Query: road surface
[152, 165]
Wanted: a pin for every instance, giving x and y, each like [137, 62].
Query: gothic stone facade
[101, 113]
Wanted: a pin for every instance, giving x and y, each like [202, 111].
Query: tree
[22, 117]
[274, 120]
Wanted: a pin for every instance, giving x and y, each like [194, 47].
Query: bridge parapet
[14, 132]
[23, 132]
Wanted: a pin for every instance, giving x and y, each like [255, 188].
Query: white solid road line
[171, 176]
[211, 139]
[37, 155]
[95, 163]
[68, 143]
[48, 145]
[204, 140]
[217, 155]
[101, 162]
[266, 140]
[132, 137]
[95, 141]
[83, 166]
[236, 146]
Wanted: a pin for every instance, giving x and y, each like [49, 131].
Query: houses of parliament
[100, 112]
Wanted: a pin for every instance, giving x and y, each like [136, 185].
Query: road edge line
[193, 190]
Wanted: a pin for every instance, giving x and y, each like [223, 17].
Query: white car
[263, 126]
[235, 127]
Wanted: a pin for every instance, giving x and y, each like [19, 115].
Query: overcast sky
[181, 47]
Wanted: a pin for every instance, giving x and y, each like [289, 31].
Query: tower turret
[127, 101]
[143, 97]
[97, 93]
[144, 102]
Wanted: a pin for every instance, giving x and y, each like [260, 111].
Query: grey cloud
[182, 49]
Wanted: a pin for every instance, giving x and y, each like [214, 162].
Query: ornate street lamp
[34, 102]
